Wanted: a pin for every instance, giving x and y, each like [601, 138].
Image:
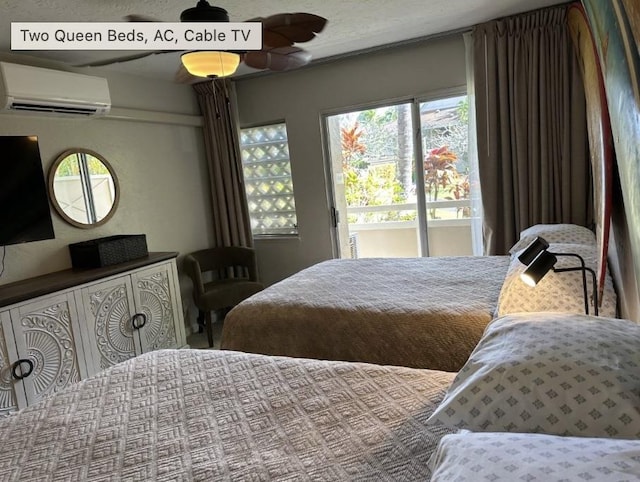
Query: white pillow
[557, 292]
[555, 233]
[552, 373]
[472, 456]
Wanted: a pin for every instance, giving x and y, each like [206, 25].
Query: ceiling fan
[279, 34]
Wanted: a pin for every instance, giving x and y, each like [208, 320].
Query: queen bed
[414, 312]
[196, 415]
[211, 415]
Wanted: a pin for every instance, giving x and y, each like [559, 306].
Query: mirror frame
[54, 201]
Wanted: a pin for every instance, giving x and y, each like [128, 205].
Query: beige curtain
[230, 212]
[531, 126]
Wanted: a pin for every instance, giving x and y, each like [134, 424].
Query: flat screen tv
[24, 205]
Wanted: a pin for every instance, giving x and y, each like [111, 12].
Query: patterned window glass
[267, 176]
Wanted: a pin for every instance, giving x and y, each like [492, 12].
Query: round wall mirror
[83, 188]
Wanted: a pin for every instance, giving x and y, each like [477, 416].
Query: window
[389, 205]
[268, 183]
[445, 148]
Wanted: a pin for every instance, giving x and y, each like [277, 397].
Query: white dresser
[62, 327]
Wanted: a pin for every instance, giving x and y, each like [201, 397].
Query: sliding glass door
[385, 204]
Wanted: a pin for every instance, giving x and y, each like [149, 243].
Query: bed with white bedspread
[550, 396]
[208, 415]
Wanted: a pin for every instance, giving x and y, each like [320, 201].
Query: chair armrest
[192, 268]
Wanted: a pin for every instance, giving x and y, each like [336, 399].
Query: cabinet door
[109, 310]
[156, 299]
[47, 333]
[12, 395]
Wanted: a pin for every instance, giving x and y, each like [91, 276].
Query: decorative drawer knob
[23, 374]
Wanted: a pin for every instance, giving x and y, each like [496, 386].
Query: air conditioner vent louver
[32, 89]
[52, 109]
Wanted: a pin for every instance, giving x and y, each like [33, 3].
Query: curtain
[531, 126]
[230, 212]
[474, 169]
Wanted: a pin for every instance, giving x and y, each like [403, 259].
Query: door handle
[139, 316]
[335, 217]
[19, 363]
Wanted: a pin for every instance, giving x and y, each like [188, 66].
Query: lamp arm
[595, 286]
[595, 289]
[573, 255]
[583, 265]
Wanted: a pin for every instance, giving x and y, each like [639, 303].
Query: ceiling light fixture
[211, 64]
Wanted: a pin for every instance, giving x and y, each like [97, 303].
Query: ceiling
[353, 25]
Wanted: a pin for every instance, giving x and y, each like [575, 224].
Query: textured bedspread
[210, 415]
[418, 312]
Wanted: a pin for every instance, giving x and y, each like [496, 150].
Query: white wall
[161, 169]
[301, 97]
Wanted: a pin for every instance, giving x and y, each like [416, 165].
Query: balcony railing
[365, 221]
[393, 230]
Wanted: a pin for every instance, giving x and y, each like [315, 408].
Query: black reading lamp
[539, 262]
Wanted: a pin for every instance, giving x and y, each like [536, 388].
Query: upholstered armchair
[222, 277]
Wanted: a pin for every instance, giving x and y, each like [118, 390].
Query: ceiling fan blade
[299, 27]
[140, 18]
[280, 59]
[271, 39]
[129, 58]
[285, 29]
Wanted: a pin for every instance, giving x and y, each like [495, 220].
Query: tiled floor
[199, 340]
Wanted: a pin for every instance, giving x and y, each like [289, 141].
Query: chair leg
[209, 326]
[201, 321]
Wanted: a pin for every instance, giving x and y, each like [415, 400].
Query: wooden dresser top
[59, 280]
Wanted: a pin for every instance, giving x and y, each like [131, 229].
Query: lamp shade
[539, 267]
[210, 63]
[533, 250]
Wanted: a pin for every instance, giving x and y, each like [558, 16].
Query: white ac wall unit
[33, 89]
